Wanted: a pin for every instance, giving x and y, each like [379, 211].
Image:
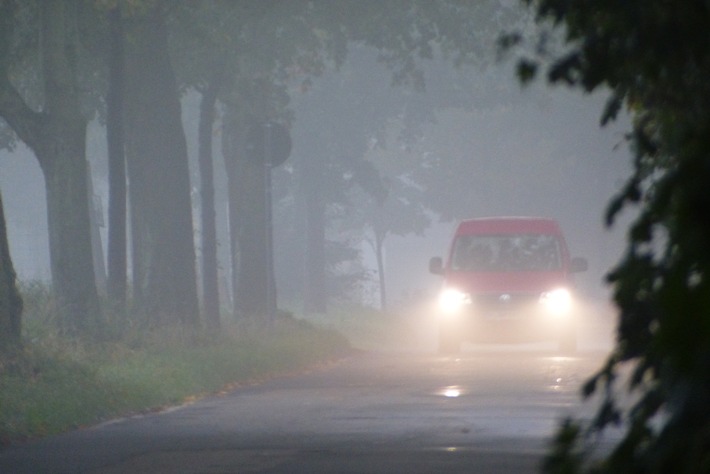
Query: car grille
[504, 304]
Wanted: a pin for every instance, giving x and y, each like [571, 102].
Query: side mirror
[436, 266]
[578, 264]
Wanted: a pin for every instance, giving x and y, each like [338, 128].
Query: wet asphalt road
[483, 411]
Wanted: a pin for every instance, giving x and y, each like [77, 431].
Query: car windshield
[506, 253]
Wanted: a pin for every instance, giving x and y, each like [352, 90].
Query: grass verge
[48, 388]
[371, 329]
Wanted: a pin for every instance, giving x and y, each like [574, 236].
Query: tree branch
[24, 121]
[13, 108]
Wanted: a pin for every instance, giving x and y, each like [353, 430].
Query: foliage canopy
[654, 56]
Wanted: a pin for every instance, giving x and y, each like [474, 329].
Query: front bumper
[508, 317]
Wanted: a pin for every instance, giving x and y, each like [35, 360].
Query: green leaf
[526, 70]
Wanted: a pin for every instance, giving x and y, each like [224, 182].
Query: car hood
[506, 282]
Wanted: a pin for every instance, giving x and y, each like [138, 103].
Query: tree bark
[164, 279]
[57, 136]
[230, 144]
[95, 222]
[62, 158]
[10, 299]
[379, 254]
[117, 236]
[210, 291]
[315, 289]
[248, 226]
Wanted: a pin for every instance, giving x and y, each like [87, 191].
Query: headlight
[452, 300]
[558, 301]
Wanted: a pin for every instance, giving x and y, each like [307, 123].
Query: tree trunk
[315, 289]
[164, 280]
[379, 254]
[62, 156]
[96, 219]
[247, 203]
[10, 299]
[229, 151]
[117, 267]
[210, 291]
[57, 136]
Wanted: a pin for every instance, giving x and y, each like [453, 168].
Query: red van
[507, 279]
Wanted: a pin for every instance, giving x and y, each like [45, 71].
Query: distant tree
[257, 102]
[117, 234]
[386, 200]
[164, 277]
[53, 126]
[241, 54]
[10, 299]
[329, 155]
[210, 277]
[654, 57]
[203, 45]
[405, 35]
[247, 213]
[330, 167]
[271, 42]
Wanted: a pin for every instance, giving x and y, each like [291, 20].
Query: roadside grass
[51, 384]
[410, 328]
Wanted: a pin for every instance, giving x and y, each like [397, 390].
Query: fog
[505, 150]
[543, 156]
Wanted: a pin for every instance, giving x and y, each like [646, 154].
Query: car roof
[508, 225]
